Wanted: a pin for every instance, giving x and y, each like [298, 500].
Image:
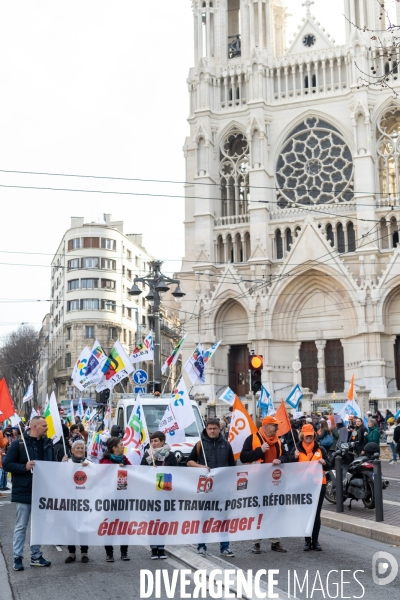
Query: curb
[189, 557]
[381, 532]
[5, 587]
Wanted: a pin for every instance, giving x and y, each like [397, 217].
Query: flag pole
[23, 440]
[201, 441]
[166, 383]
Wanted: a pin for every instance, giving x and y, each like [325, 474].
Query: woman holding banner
[78, 451]
[114, 455]
[309, 450]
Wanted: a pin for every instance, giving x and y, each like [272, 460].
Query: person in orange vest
[265, 447]
[309, 450]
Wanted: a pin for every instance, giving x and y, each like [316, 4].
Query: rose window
[315, 166]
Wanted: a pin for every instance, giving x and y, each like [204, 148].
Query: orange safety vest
[316, 456]
[257, 443]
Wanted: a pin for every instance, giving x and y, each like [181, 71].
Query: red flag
[350, 393]
[6, 404]
[281, 415]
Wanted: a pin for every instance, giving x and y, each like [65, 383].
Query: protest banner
[135, 505]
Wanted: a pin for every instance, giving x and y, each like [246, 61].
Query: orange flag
[240, 428]
[350, 393]
[331, 421]
[281, 415]
[6, 404]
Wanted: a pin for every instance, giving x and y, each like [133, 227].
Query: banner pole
[166, 383]
[23, 440]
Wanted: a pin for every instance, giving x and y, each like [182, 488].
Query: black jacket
[360, 439]
[248, 455]
[218, 451]
[15, 463]
[170, 461]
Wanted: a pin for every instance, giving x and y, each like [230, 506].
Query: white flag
[194, 367]
[33, 414]
[79, 372]
[294, 397]
[178, 415]
[115, 369]
[350, 408]
[79, 411]
[136, 433]
[28, 394]
[15, 419]
[95, 364]
[228, 396]
[143, 351]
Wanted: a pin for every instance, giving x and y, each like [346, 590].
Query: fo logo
[80, 477]
[205, 484]
[276, 475]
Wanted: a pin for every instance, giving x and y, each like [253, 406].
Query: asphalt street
[101, 580]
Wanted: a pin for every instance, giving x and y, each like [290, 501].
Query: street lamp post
[158, 283]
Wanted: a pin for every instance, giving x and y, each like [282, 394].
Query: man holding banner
[20, 461]
[264, 446]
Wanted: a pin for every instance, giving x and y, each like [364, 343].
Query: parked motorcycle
[357, 476]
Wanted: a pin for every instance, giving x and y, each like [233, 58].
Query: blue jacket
[15, 463]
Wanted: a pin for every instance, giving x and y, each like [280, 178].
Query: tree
[19, 361]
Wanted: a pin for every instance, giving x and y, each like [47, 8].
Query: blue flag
[294, 397]
[265, 403]
[397, 415]
[366, 422]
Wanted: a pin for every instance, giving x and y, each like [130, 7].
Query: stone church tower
[292, 200]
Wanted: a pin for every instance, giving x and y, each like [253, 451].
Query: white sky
[94, 87]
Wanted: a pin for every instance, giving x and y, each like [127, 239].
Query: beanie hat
[390, 420]
[308, 429]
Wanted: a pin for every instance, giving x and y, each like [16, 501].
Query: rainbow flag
[171, 360]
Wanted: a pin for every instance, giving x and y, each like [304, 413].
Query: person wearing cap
[77, 456]
[265, 447]
[309, 450]
[389, 438]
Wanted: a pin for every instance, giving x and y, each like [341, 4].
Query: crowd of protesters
[312, 438]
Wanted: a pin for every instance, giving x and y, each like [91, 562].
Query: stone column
[321, 366]
[363, 398]
[306, 403]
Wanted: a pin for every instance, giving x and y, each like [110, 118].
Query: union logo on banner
[205, 484]
[164, 482]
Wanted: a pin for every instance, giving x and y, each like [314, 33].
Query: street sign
[140, 390]
[140, 377]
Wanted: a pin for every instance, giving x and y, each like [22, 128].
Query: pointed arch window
[388, 148]
[351, 238]
[279, 244]
[289, 239]
[341, 245]
[329, 234]
[234, 174]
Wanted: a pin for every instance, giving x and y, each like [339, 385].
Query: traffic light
[103, 397]
[256, 366]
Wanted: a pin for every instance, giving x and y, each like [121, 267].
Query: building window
[279, 244]
[72, 305]
[74, 244]
[144, 320]
[129, 275]
[91, 242]
[341, 246]
[387, 135]
[89, 331]
[129, 313]
[108, 284]
[109, 305]
[123, 269]
[129, 255]
[73, 264]
[108, 244]
[234, 174]
[67, 360]
[137, 261]
[90, 263]
[124, 336]
[330, 235]
[123, 311]
[130, 338]
[351, 238]
[73, 285]
[315, 166]
[89, 284]
[107, 263]
[289, 239]
[90, 304]
[69, 333]
[113, 333]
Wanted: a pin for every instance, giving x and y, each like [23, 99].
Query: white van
[154, 408]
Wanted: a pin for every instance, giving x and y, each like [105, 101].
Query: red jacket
[108, 461]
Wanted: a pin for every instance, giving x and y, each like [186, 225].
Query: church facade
[292, 200]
